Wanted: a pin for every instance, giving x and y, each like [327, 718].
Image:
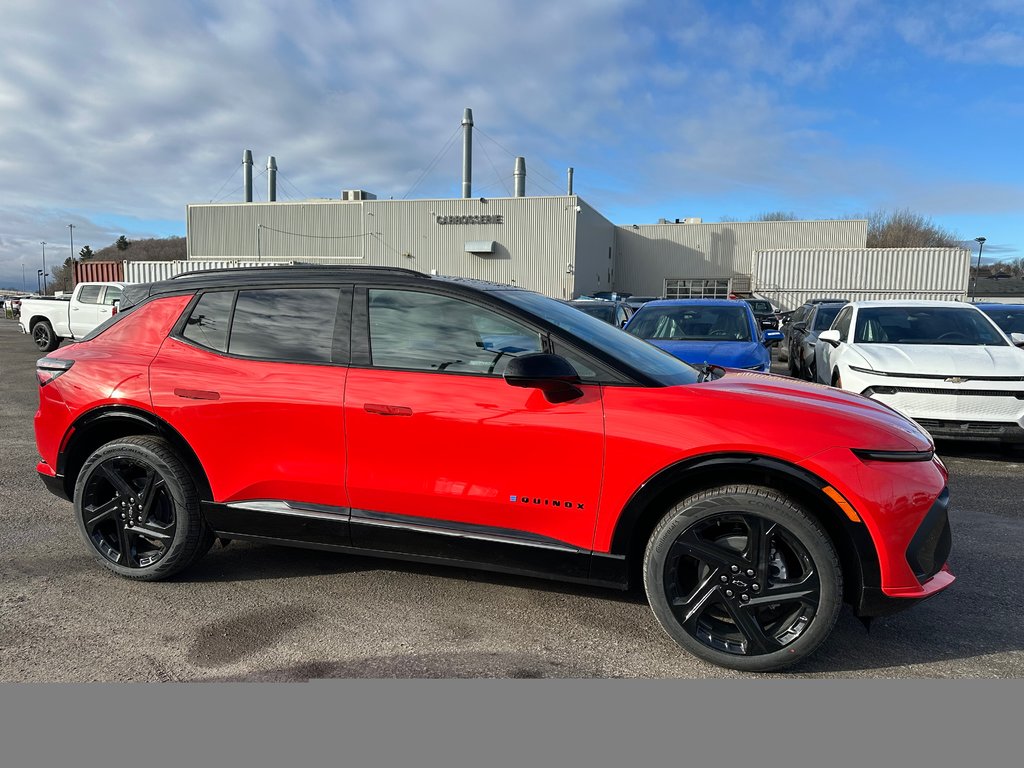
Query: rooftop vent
[357, 194]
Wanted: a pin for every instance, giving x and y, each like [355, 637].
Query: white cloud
[133, 110]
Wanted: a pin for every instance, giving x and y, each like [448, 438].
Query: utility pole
[977, 270]
[43, 243]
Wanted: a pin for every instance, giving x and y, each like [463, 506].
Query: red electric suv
[452, 421]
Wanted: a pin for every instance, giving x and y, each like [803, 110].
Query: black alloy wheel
[138, 510]
[744, 578]
[44, 337]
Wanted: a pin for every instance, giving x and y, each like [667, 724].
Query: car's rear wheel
[743, 577]
[44, 337]
[138, 510]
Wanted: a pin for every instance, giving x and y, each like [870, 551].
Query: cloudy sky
[115, 115]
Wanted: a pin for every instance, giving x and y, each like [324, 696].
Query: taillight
[48, 369]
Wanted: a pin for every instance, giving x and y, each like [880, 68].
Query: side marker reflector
[842, 503]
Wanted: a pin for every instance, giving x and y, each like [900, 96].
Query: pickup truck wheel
[138, 509]
[44, 337]
[742, 577]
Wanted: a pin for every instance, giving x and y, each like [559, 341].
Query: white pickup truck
[52, 319]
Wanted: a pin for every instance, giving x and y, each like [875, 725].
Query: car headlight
[868, 370]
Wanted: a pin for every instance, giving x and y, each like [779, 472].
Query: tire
[837, 379]
[137, 509]
[793, 365]
[714, 564]
[44, 337]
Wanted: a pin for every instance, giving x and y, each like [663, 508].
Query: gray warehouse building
[560, 245]
[563, 247]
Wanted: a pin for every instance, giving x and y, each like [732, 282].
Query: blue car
[717, 331]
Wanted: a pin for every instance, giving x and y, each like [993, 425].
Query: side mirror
[801, 326]
[772, 337]
[1017, 339]
[551, 374]
[831, 337]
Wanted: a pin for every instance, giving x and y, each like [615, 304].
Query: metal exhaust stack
[467, 153]
[570, 181]
[520, 177]
[247, 174]
[271, 179]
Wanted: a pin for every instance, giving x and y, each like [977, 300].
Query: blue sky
[115, 115]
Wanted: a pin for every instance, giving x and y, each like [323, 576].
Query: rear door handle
[379, 409]
[197, 394]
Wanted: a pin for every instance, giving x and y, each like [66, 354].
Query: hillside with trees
[122, 249]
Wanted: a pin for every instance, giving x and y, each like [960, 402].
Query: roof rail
[307, 266]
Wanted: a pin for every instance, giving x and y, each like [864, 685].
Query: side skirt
[398, 537]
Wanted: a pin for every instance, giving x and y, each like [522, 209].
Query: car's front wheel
[138, 510]
[743, 577]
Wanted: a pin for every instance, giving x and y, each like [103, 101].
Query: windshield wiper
[706, 372]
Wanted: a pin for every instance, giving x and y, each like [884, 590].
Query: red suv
[451, 421]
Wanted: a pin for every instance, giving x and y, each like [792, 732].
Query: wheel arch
[649, 504]
[104, 424]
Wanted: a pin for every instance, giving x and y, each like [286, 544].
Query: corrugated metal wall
[98, 272]
[534, 242]
[594, 265]
[154, 271]
[790, 277]
[647, 255]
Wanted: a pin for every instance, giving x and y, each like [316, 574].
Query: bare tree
[776, 216]
[905, 229]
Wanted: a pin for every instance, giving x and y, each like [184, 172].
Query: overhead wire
[433, 162]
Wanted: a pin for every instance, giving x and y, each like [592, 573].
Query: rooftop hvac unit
[357, 194]
[690, 220]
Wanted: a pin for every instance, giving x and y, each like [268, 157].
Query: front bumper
[926, 554]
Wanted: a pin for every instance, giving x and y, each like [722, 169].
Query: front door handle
[379, 409]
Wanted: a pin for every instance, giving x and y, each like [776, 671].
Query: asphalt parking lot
[258, 612]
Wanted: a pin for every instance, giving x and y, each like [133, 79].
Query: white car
[942, 363]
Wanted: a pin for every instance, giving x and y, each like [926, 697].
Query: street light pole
[71, 264]
[981, 244]
[43, 243]
[39, 279]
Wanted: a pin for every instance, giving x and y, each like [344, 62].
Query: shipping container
[98, 272]
[154, 271]
[791, 277]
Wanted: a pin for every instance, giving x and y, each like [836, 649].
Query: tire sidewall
[811, 537]
[186, 513]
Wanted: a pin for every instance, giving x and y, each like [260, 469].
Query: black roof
[297, 274]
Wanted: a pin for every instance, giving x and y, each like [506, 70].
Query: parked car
[715, 331]
[51, 319]
[787, 319]
[1009, 317]
[635, 302]
[803, 338]
[465, 423]
[612, 312]
[944, 364]
[764, 312]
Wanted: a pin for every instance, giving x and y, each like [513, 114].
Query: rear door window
[286, 324]
[293, 324]
[90, 294]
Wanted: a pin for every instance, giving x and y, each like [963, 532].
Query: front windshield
[638, 354]
[823, 320]
[760, 306]
[691, 323]
[953, 326]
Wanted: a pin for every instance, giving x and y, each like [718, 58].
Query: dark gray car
[803, 337]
